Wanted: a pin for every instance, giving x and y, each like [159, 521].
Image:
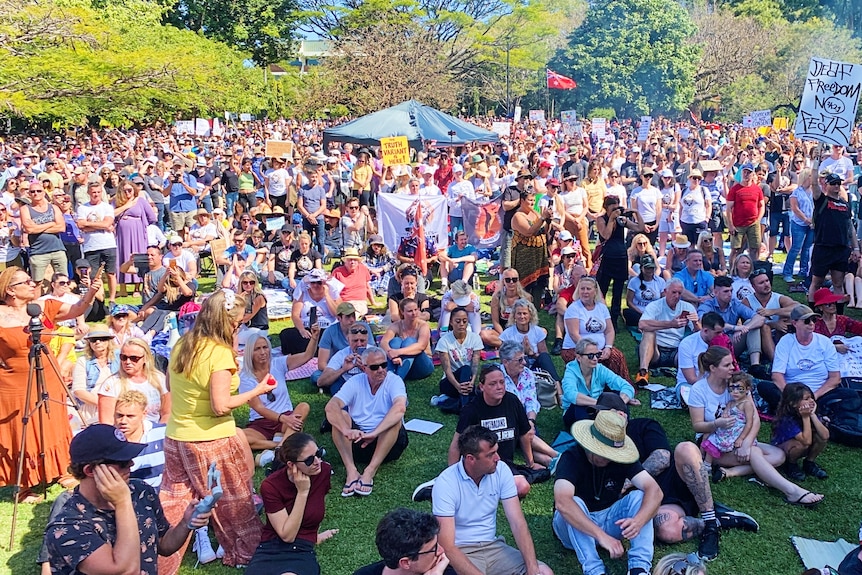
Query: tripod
[36, 377]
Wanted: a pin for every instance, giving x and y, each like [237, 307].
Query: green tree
[631, 55]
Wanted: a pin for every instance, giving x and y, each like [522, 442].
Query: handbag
[597, 259]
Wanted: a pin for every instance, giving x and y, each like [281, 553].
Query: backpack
[546, 389]
[843, 407]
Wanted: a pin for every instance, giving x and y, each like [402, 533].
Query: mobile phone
[312, 316]
[172, 263]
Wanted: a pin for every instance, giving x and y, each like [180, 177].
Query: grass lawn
[766, 552]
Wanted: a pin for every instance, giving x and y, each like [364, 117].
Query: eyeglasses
[707, 240]
[376, 366]
[132, 358]
[34, 190]
[308, 461]
[696, 178]
[352, 207]
[643, 243]
[27, 281]
[679, 567]
[511, 280]
[595, 355]
[357, 330]
[521, 359]
[432, 550]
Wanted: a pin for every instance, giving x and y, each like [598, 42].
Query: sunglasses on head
[357, 330]
[376, 366]
[595, 355]
[132, 358]
[309, 461]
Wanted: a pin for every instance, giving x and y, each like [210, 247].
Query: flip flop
[370, 487]
[349, 486]
[810, 505]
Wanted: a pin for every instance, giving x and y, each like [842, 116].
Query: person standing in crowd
[132, 213]
[745, 208]
[201, 429]
[529, 245]
[611, 226]
[511, 204]
[96, 221]
[311, 203]
[182, 188]
[43, 223]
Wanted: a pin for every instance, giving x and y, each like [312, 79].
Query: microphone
[34, 310]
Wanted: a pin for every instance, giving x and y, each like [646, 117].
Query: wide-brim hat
[825, 296]
[606, 437]
[680, 241]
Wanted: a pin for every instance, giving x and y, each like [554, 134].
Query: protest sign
[568, 116]
[850, 363]
[185, 126]
[278, 149]
[761, 118]
[598, 127]
[503, 129]
[537, 115]
[684, 133]
[245, 117]
[202, 127]
[779, 124]
[218, 130]
[517, 115]
[395, 150]
[482, 222]
[746, 122]
[396, 218]
[643, 129]
[829, 101]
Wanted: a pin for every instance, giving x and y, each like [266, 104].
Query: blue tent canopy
[413, 119]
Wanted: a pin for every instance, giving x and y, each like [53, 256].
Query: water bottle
[171, 324]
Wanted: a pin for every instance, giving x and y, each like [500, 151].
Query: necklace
[598, 484]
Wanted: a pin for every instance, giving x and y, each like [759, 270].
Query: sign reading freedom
[395, 150]
[829, 101]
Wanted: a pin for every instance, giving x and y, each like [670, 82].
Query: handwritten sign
[202, 127]
[643, 129]
[850, 363]
[746, 122]
[829, 101]
[185, 126]
[537, 115]
[568, 116]
[779, 124]
[395, 150]
[503, 129]
[279, 149]
[761, 118]
[517, 115]
[598, 127]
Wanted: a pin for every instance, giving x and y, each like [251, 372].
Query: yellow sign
[395, 150]
[763, 130]
[279, 149]
[779, 124]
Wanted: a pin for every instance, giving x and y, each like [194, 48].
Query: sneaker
[552, 466]
[792, 471]
[642, 378]
[558, 347]
[733, 519]
[788, 280]
[220, 552]
[813, 470]
[437, 399]
[423, 492]
[264, 458]
[202, 546]
[707, 550]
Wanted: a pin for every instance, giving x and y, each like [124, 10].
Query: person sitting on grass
[366, 416]
[798, 432]
[406, 343]
[524, 330]
[459, 350]
[334, 338]
[458, 262]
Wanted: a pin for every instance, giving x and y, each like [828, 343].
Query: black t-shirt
[508, 420]
[648, 435]
[629, 170]
[304, 262]
[598, 487]
[282, 255]
[831, 222]
[509, 194]
[851, 564]
[421, 300]
[230, 181]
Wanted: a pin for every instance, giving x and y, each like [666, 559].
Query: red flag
[560, 82]
[694, 118]
[421, 253]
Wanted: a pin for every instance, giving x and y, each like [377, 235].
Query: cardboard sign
[202, 127]
[503, 129]
[761, 118]
[279, 149]
[537, 115]
[746, 122]
[245, 117]
[829, 101]
[185, 126]
[598, 127]
[779, 124]
[568, 116]
[643, 129]
[395, 150]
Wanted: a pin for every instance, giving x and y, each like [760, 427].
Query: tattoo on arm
[691, 527]
[658, 461]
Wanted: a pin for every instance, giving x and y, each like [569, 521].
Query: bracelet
[279, 417]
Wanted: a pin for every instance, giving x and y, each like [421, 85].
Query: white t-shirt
[843, 166]
[8, 251]
[535, 335]
[366, 409]
[460, 354]
[281, 403]
[649, 199]
[277, 181]
[652, 290]
[742, 288]
[692, 205]
[575, 201]
[112, 387]
[198, 232]
[619, 191]
[809, 364]
[702, 396]
[687, 353]
[659, 310]
[592, 323]
[184, 260]
[101, 239]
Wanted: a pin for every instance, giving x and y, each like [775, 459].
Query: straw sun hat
[606, 437]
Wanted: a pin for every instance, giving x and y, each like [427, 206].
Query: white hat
[666, 173]
[566, 235]
[460, 292]
[457, 169]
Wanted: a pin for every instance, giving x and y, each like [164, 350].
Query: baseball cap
[99, 442]
[647, 261]
[747, 166]
[566, 235]
[609, 400]
[457, 169]
[802, 312]
[345, 308]
[82, 263]
[833, 179]
[375, 239]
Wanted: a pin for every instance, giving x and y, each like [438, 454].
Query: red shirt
[279, 493]
[355, 284]
[746, 204]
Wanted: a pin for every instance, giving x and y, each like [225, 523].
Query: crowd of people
[584, 219]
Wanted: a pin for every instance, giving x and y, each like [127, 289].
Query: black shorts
[364, 454]
[675, 491]
[829, 258]
[108, 256]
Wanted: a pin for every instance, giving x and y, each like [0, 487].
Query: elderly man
[591, 508]
[466, 496]
[336, 336]
[347, 361]
[698, 283]
[742, 323]
[357, 282]
[367, 421]
[663, 325]
[745, 208]
[43, 223]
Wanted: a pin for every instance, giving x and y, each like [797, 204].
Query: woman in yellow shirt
[203, 377]
[360, 185]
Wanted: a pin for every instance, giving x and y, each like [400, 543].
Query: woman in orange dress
[17, 290]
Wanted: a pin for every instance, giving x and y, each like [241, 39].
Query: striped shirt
[149, 465]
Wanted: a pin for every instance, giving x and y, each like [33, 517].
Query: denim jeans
[412, 367]
[640, 552]
[160, 216]
[230, 199]
[317, 231]
[802, 238]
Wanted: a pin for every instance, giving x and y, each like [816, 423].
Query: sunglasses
[100, 339]
[357, 330]
[511, 280]
[132, 358]
[521, 359]
[177, 245]
[568, 256]
[595, 355]
[376, 366]
[808, 320]
[309, 461]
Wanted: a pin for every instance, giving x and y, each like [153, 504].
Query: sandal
[350, 487]
[362, 484]
[807, 505]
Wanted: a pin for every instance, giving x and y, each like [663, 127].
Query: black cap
[83, 263]
[101, 441]
[609, 400]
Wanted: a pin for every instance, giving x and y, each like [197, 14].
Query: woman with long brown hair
[530, 246]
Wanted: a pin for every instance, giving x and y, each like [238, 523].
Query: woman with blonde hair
[132, 215]
[509, 289]
[639, 248]
[137, 371]
[713, 257]
[204, 380]
[97, 365]
[255, 302]
[679, 564]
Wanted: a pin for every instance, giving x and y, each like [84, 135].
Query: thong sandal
[28, 497]
[809, 505]
[352, 490]
[370, 487]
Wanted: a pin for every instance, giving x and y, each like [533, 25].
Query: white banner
[537, 115]
[598, 127]
[245, 117]
[185, 126]
[482, 222]
[761, 118]
[396, 220]
[829, 101]
[217, 128]
[643, 129]
[502, 129]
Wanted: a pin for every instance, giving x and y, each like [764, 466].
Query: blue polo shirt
[700, 285]
[731, 314]
[181, 200]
